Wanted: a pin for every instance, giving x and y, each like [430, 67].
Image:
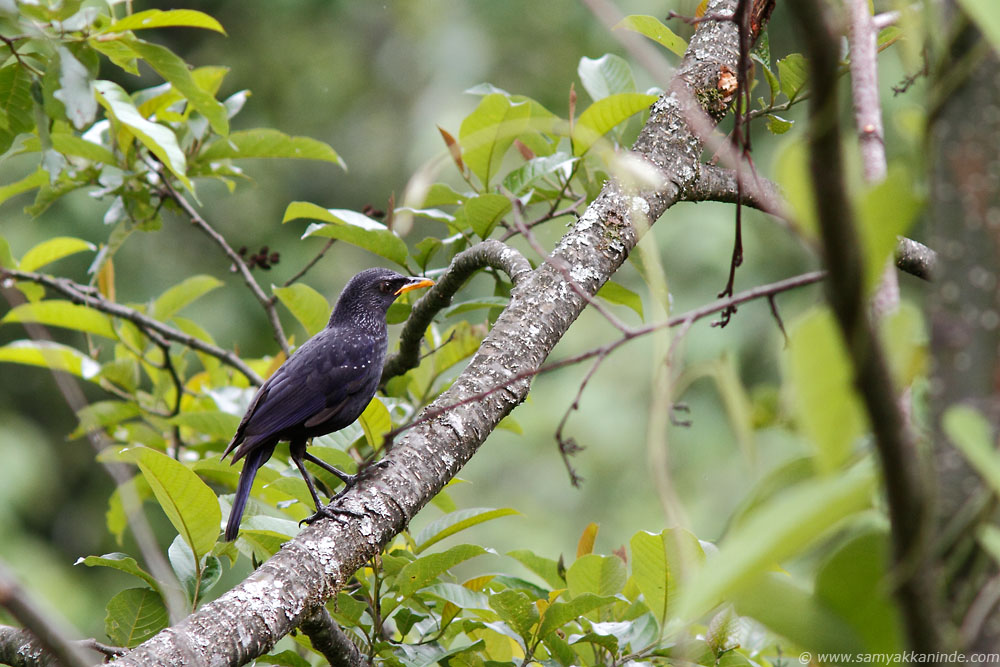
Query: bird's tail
[253, 461]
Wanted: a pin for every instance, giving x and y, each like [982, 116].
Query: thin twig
[489, 253]
[569, 446]
[234, 257]
[308, 266]
[630, 334]
[84, 295]
[49, 632]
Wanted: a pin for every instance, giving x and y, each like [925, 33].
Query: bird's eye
[385, 287]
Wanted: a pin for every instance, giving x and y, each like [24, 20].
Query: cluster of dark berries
[263, 258]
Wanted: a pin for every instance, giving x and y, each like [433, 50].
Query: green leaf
[53, 356]
[134, 615]
[171, 18]
[197, 579]
[376, 422]
[268, 143]
[160, 140]
[309, 307]
[30, 182]
[455, 522]
[651, 27]
[441, 194]
[51, 250]
[615, 293]
[886, 211]
[546, 568]
[187, 501]
[217, 424]
[134, 489]
[792, 173]
[660, 562]
[58, 313]
[522, 179]
[793, 72]
[15, 101]
[286, 658]
[123, 562]
[69, 144]
[76, 90]
[593, 573]
[905, 340]
[605, 76]
[351, 227]
[774, 600]
[487, 133]
[173, 69]
[772, 79]
[181, 294]
[597, 119]
[424, 570]
[778, 125]
[853, 583]
[972, 435]
[116, 51]
[516, 610]
[102, 414]
[778, 530]
[988, 537]
[986, 15]
[826, 404]
[559, 614]
[7, 260]
[482, 213]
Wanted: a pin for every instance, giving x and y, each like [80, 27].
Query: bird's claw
[327, 512]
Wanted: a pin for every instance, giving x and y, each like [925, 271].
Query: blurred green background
[374, 80]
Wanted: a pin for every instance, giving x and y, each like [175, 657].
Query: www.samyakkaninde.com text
[902, 658]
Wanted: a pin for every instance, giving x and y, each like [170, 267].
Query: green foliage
[651, 27]
[169, 409]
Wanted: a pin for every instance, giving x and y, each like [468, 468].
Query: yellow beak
[416, 284]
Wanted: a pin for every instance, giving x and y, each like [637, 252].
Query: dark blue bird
[323, 387]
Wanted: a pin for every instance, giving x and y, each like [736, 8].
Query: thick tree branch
[489, 253]
[89, 297]
[719, 184]
[907, 503]
[249, 619]
[19, 648]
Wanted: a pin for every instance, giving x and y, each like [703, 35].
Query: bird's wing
[307, 389]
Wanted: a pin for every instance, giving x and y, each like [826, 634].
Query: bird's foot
[327, 512]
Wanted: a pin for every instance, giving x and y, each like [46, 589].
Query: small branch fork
[267, 302]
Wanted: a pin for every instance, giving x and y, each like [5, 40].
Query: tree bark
[964, 308]
[249, 619]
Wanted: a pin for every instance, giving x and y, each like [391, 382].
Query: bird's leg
[347, 479]
[298, 453]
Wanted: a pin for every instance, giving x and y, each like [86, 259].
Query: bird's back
[323, 387]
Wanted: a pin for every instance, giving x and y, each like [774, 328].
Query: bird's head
[368, 295]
